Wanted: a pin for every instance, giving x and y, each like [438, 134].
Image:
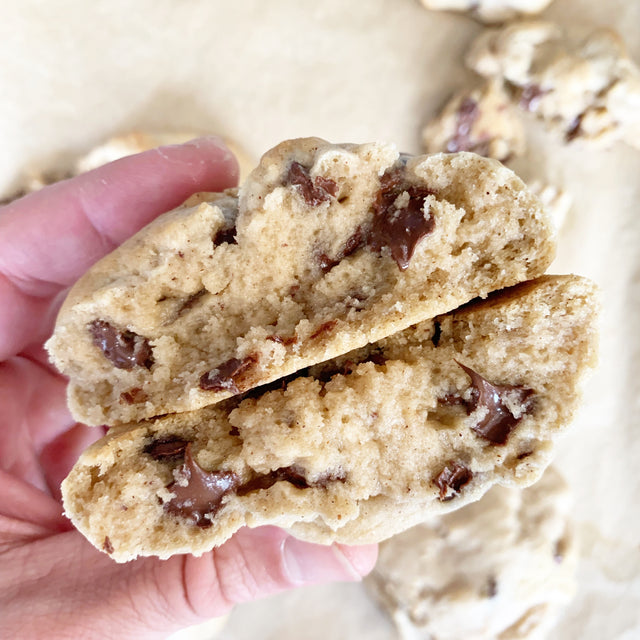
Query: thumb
[62, 587]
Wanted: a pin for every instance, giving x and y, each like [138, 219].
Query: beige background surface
[75, 72]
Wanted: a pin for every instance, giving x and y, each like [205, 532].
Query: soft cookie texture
[325, 248]
[586, 90]
[499, 569]
[482, 120]
[491, 10]
[357, 449]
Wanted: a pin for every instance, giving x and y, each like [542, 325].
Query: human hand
[53, 583]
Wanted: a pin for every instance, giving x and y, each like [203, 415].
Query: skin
[53, 583]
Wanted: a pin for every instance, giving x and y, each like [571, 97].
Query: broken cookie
[324, 249]
[501, 568]
[356, 449]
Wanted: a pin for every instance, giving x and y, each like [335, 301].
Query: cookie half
[325, 248]
[501, 568]
[357, 449]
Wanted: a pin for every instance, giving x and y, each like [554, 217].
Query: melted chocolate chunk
[225, 376]
[134, 396]
[124, 349]
[225, 235]
[451, 479]
[107, 545]
[202, 496]
[294, 474]
[314, 192]
[399, 226]
[466, 116]
[499, 422]
[530, 97]
[167, 448]
[353, 243]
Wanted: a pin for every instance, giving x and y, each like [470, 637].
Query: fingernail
[307, 563]
[206, 141]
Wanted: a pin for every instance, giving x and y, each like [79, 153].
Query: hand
[53, 583]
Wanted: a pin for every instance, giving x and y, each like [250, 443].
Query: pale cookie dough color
[483, 120]
[357, 449]
[499, 569]
[325, 249]
[491, 10]
[586, 90]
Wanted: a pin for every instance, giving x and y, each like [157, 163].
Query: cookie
[491, 10]
[501, 568]
[482, 120]
[325, 248]
[357, 449]
[555, 200]
[586, 90]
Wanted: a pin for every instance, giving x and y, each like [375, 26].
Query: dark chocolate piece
[498, 422]
[314, 192]
[466, 116]
[353, 243]
[170, 447]
[225, 376]
[451, 479]
[437, 332]
[225, 235]
[124, 349]
[399, 229]
[294, 474]
[134, 396]
[202, 496]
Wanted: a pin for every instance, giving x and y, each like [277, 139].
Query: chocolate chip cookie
[491, 10]
[483, 120]
[587, 89]
[357, 449]
[324, 249]
[501, 568]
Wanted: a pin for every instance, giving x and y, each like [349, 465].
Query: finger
[51, 237]
[149, 598]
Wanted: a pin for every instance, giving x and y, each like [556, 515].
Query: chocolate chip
[225, 377]
[314, 192]
[107, 546]
[437, 332]
[467, 114]
[124, 349]
[353, 243]
[451, 479]
[134, 396]
[399, 222]
[191, 301]
[294, 475]
[284, 341]
[234, 431]
[225, 235]
[530, 97]
[170, 447]
[499, 422]
[203, 493]
[325, 327]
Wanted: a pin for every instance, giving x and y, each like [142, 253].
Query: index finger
[48, 239]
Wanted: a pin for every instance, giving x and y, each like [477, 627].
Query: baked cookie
[555, 200]
[357, 449]
[325, 249]
[499, 569]
[491, 10]
[587, 90]
[482, 120]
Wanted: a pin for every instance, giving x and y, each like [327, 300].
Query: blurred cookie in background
[490, 10]
[498, 569]
[482, 120]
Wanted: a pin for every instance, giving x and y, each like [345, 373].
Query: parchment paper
[75, 72]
